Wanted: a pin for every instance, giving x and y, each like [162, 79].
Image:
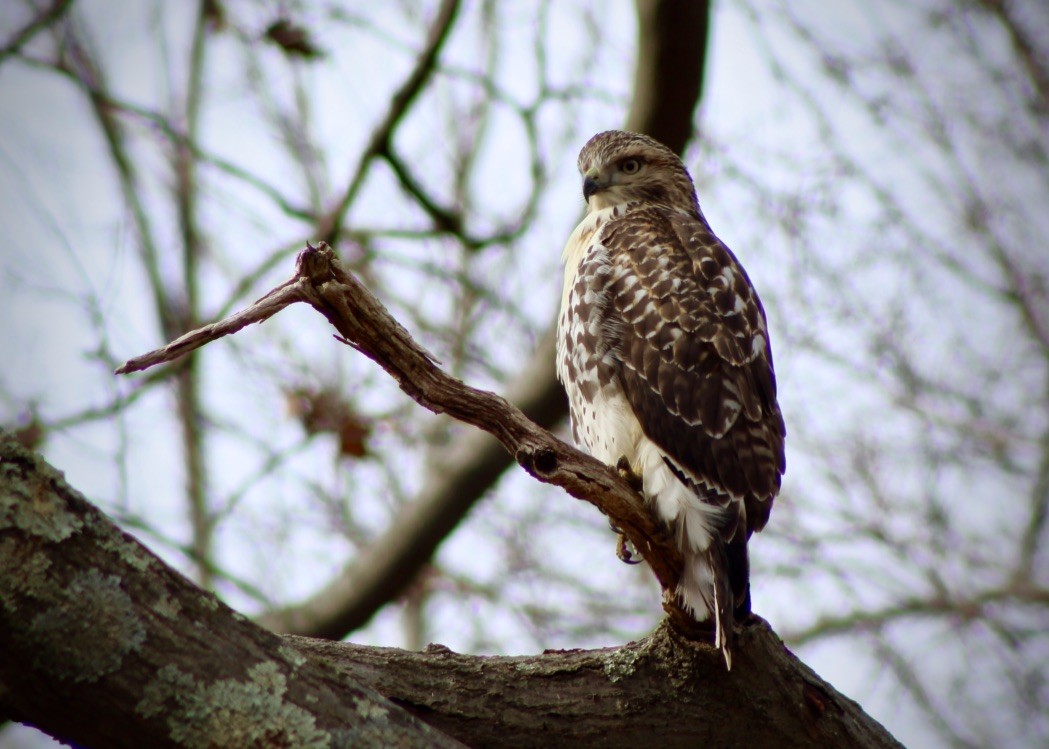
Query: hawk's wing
[696, 363]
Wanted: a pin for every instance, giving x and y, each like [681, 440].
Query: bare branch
[329, 226]
[287, 293]
[188, 402]
[1025, 47]
[45, 18]
[364, 323]
[962, 608]
[668, 79]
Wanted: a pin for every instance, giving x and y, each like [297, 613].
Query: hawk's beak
[590, 186]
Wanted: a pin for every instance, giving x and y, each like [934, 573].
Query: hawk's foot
[627, 474]
[624, 550]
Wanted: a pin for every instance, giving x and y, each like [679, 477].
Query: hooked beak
[592, 183]
[590, 186]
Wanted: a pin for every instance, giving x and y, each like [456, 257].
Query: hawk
[664, 351]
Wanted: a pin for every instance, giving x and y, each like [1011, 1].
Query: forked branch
[364, 323]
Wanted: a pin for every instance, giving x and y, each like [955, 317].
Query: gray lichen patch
[167, 606]
[230, 712]
[369, 734]
[532, 668]
[30, 505]
[371, 711]
[89, 628]
[23, 572]
[291, 656]
[621, 664]
[128, 551]
[377, 730]
[537, 667]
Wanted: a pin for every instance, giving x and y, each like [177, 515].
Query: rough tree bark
[104, 645]
[661, 690]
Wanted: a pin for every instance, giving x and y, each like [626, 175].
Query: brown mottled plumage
[663, 349]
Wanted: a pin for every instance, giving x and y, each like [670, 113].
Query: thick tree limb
[660, 690]
[104, 645]
[672, 40]
[667, 88]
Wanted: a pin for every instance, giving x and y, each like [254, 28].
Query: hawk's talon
[623, 549]
[627, 474]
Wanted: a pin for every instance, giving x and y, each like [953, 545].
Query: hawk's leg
[623, 550]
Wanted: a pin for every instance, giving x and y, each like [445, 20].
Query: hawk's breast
[587, 357]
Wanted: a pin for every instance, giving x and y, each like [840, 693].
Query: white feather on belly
[610, 431]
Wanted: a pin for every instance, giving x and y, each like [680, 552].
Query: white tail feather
[704, 589]
[720, 637]
[704, 592]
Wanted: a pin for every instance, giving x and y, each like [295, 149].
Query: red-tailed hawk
[664, 351]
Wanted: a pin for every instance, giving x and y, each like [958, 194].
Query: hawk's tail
[710, 530]
[706, 590]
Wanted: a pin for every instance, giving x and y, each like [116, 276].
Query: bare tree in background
[898, 248]
[918, 284]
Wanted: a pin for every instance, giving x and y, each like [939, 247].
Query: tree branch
[669, 32]
[624, 696]
[330, 225]
[672, 40]
[105, 645]
[273, 302]
[46, 17]
[364, 324]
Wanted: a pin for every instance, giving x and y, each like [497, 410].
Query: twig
[330, 225]
[46, 17]
[287, 293]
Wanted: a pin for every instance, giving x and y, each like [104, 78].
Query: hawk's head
[620, 167]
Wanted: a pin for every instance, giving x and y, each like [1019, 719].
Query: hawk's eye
[629, 166]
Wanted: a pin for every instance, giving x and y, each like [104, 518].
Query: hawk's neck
[591, 224]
